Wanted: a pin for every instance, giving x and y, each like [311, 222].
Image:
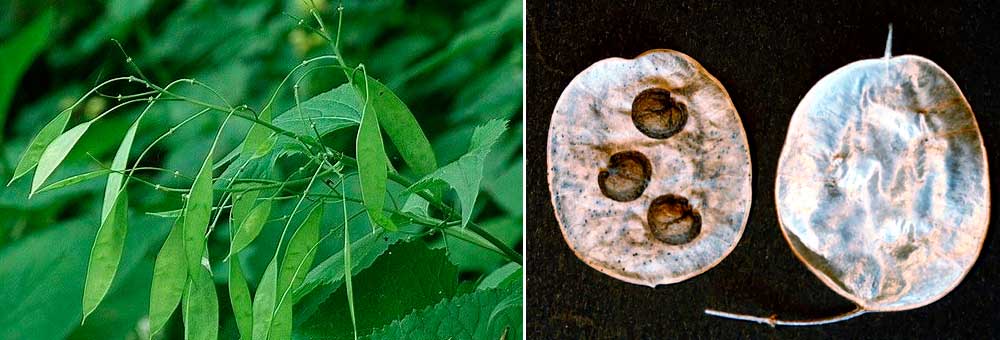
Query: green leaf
[54, 154]
[201, 306]
[472, 257]
[258, 138]
[501, 275]
[409, 276]
[73, 180]
[402, 128]
[239, 294]
[250, 227]
[482, 314]
[243, 203]
[123, 308]
[300, 253]
[170, 276]
[298, 259]
[18, 52]
[197, 213]
[465, 174]
[115, 178]
[508, 189]
[264, 301]
[105, 255]
[372, 164]
[330, 272]
[45, 136]
[330, 111]
[43, 275]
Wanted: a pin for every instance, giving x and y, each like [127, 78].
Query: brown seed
[657, 115]
[626, 177]
[671, 220]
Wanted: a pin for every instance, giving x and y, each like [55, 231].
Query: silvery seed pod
[649, 168]
[882, 186]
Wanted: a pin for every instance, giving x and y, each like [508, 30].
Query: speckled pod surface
[882, 187]
[649, 168]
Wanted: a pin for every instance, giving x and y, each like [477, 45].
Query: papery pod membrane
[649, 168]
[882, 187]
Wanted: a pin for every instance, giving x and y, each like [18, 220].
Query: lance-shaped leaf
[273, 304]
[197, 214]
[116, 177]
[401, 127]
[107, 251]
[465, 173]
[298, 258]
[169, 278]
[264, 301]
[45, 136]
[250, 227]
[258, 142]
[55, 153]
[74, 180]
[201, 305]
[372, 162]
[239, 295]
[105, 255]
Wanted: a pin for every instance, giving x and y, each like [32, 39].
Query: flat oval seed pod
[649, 168]
[882, 187]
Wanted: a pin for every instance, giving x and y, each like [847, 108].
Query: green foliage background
[457, 64]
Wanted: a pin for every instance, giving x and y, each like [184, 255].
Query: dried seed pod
[882, 188]
[649, 168]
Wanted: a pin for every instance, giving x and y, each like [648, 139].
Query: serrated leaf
[18, 52]
[465, 174]
[402, 128]
[170, 277]
[197, 213]
[55, 153]
[105, 255]
[201, 306]
[409, 275]
[331, 111]
[364, 251]
[239, 295]
[482, 314]
[372, 163]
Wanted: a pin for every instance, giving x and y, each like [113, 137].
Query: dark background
[767, 56]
